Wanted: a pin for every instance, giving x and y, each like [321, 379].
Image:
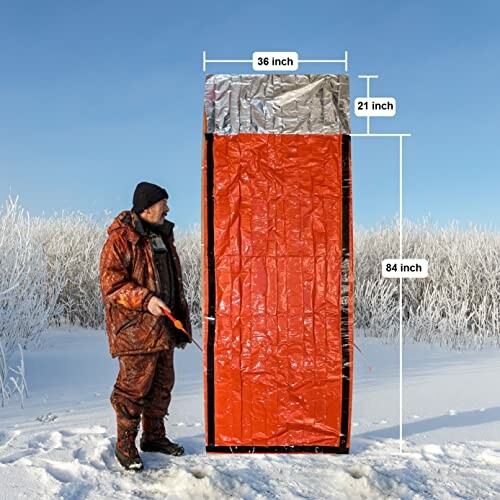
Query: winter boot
[126, 451]
[153, 438]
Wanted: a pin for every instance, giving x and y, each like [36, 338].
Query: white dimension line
[400, 296]
[380, 135]
[367, 95]
[400, 278]
[205, 61]
[345, 60]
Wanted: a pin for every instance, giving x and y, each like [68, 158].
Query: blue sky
[97, 96]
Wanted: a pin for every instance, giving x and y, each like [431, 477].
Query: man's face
[155, 214]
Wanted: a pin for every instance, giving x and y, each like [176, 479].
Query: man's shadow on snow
[460, 419]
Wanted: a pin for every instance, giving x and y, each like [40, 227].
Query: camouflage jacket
[129, 280]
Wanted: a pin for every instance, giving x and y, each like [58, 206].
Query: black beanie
[147, 194]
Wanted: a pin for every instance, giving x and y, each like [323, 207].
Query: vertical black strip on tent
[344, 294]
[211, 289]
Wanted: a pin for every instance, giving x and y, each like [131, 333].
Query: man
[140, 275]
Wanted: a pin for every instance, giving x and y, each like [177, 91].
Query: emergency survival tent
[277, 263]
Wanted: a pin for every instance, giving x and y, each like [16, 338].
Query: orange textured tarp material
[277, 278]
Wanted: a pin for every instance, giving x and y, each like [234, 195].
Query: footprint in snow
[199, 473]
[359, 471]
[96, 456]
[14, 457]
[63, 472]
[432, 451]
[490, 457]
[7, 437]
[46, 441]
[81, 455]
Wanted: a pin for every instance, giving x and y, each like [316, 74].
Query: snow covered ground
[61, 444]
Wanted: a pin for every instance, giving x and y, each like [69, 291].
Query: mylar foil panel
[277, 104]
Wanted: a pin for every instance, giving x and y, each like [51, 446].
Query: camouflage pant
[143, 387]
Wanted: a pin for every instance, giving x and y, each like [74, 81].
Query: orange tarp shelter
[277, 263]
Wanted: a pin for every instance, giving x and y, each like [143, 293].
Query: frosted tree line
[457, 305]
[49, 275]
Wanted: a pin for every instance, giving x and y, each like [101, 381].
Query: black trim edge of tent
[344, 294]
[211, 290]
[278, 449]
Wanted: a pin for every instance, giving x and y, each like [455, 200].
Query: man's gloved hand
[182, 345]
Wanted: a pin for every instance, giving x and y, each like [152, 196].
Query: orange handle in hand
[178, 324]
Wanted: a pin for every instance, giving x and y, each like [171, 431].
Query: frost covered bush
[457, 305]
[28, 290]
[15, 383]
[72, 244]
[188, 244]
